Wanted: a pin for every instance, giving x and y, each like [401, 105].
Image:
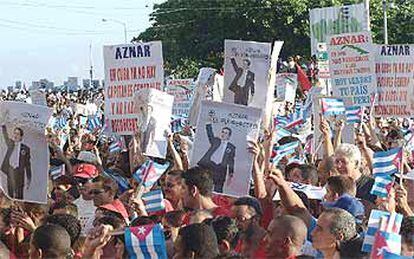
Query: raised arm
[289, 198]
[235, 66]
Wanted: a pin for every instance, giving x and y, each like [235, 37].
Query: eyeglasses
[97, 191]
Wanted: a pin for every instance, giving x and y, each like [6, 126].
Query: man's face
[101, 195]
[242, 214]
[344, 165]
[225, 134]
[322, 238]
[17, 136]
[275, 241]
[173, 188]
[330, 196]
[188, 198]
[246, 64]
[295, 175]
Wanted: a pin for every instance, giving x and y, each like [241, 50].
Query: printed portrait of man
[148, 124]
[16, 163]
[243, 84]
[219, 158]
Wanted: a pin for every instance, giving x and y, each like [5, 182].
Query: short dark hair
[20, 130]
[251, 202]
[200, 239]
[227, 128]
[69, 222]
[53, 240]
[309, 172]
[226, 229]
[200, 177]
[115, 222]
[341, 184]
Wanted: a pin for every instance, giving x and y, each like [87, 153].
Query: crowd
[92, 207]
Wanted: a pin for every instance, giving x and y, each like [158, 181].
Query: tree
[193, 31]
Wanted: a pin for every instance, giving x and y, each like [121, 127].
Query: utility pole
[90, 63]
[384, 10]
[119, 22]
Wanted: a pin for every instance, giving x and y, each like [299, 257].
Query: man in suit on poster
[243, 83]
[16, 163]
[219, 158]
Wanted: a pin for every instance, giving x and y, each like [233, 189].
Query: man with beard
[248, 212]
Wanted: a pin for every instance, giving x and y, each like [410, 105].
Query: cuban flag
[382, 185]
[145, 242]
[385, 242]
[389, 255]
[83, 120]
[387, 162]
[332, 106]
[374, 226]
[353, 114]
[115, 146]
[280, 121]
[280, 152]
[149, 173]
[281, 133]
[57, 171]
[154, 201]
[94, 122]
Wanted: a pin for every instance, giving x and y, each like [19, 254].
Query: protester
[309, 192]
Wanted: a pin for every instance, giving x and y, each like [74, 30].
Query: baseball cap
[86, 171]
[348, 203]
[118, 207]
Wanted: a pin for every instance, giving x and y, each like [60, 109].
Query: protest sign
[38, 97]
[221, 144]
[182, 90]
[352, 67]
[246, 73]
[24, 153]
[286, 84]
[153, 126]
[395, 80]
[128, 69]
[203, 91]
[334, 20]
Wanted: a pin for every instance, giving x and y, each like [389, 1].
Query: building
[95, 83]
[18, 85]
[86, 83]
[72, 84]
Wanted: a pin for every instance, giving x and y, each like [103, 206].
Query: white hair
[350, 151]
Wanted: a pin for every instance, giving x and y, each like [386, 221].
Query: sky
[51, 38]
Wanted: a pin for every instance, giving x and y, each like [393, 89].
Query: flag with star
[145, 242]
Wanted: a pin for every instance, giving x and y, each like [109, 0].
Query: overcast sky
[50, 38]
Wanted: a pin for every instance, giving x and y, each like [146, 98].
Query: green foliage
[193, 31]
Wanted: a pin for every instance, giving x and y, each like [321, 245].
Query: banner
[153, 110]
[334, 20]
[24, 153]
[352, 67]
[246, 72]
[128, 69]
[395, 80]
[182, 90]
[286, 84]
[221, 144]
